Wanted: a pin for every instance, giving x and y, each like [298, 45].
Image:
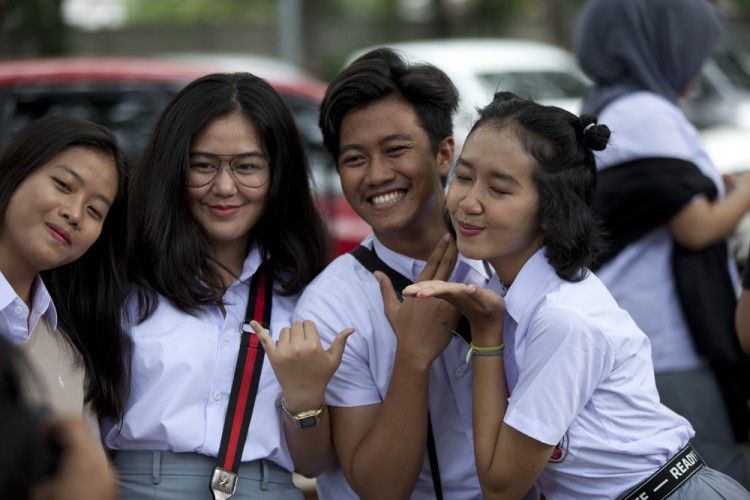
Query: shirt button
[18, 310]
[227, 338]
[217, 396]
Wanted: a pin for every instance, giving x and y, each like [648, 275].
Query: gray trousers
[696, 396]
[164, 475]
[708, 484]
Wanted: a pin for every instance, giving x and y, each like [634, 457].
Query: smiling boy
[388, 126]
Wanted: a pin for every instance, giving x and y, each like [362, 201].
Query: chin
[471, 251]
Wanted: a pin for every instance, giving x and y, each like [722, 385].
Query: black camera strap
[370, 260]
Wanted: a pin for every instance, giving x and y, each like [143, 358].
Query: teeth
[387, 197]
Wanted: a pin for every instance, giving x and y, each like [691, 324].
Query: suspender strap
[244, 388]
[370, 260]
[437, 484]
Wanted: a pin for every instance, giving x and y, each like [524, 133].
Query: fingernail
[446, 237]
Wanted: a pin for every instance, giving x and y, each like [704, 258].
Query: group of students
[464, 350]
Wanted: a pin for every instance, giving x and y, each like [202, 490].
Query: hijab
[634, 45]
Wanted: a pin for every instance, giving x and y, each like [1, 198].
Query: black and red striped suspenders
[244, 388]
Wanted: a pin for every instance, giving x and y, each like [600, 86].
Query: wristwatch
[304, 419]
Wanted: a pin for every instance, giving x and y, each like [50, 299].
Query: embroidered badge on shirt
[560, 451]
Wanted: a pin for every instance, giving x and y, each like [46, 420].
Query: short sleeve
[333, 305]
[564, 362]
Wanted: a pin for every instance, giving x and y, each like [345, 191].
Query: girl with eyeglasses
[224, 232]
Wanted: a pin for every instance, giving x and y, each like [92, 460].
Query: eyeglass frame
[228, 159]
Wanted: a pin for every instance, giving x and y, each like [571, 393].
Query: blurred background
[118, 62]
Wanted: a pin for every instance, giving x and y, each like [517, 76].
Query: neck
[19, 275]
[507, 268]
[229, 259]
[415, 242]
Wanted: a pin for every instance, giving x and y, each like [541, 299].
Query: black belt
[669, 477]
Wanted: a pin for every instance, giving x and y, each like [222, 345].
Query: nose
[471, 202]
[224, 183]
[379, 172]
[72, 212]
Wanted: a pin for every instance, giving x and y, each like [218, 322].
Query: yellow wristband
[492, 350]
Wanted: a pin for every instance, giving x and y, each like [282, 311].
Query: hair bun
[505, 96]
[595, 136]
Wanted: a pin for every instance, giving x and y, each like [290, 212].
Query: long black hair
[169, 250]
[88, 293]
[562, 146]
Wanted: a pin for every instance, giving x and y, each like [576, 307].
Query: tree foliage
[186, 12]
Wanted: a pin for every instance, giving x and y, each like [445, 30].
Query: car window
[534, 84]
[129, 111]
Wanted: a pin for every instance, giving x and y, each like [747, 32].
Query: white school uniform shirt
[346, 294]
[640, 278]
[181, 378]
[580, 376]
[16, 321]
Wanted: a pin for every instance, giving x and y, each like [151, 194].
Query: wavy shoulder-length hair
[170, 253]
[88, 293]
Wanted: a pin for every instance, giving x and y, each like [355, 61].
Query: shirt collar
[411, 268]
[534, 275]
[42, 305]
[41, 302]
[405, 265]
[251, 264]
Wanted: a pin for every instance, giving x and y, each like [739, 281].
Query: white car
[480, 67]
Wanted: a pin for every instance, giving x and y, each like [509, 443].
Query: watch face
[307, 422]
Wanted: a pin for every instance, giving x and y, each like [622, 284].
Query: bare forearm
[703, 223]
[312, 448]
[489, 410]
[387, 462]
[742, 320]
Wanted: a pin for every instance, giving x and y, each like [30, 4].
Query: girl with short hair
[563, 390]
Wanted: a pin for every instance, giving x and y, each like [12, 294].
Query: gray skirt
[164, 475]
[708, 484]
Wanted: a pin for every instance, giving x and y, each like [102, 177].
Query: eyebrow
[248, 153]
[384, 140]
[78, 178]
[496, 174]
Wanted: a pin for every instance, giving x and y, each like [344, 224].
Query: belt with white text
[669, 477]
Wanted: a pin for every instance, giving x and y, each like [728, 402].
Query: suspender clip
[223, 483]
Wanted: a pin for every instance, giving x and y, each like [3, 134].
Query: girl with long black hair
[222, 219]
[62, 256]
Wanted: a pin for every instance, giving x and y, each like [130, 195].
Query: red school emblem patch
[560, 451]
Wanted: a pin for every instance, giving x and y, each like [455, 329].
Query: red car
[127, 96]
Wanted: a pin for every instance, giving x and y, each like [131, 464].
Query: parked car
[127, 95]
[481, 67]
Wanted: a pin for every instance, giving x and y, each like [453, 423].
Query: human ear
[445, 155]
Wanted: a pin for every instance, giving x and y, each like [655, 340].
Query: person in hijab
[666, 212]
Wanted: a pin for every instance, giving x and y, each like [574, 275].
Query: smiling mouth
[58, 234]
[465, 229]
[386, 198]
